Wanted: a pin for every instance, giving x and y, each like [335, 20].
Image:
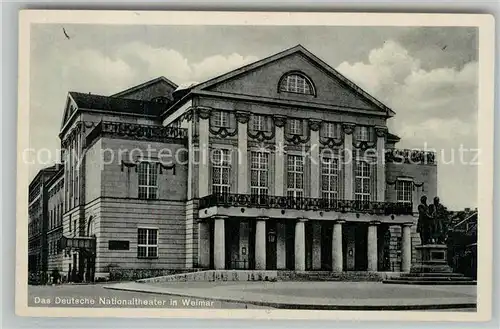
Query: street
[95, 295]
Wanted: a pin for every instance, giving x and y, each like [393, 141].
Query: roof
[297, 49]
[145, 84]
[123, 105]
[393, 137]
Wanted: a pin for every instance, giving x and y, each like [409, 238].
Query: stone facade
[265, 203]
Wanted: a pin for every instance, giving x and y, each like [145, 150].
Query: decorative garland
[332, 142]
[161, 165]
[262, 135]
[414, 185]
[297, 139]
[364, 145]
[223, 132]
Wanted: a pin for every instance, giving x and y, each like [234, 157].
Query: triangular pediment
[262, 79]
[69, 109]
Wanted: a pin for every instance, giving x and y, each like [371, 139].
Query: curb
[345, 307]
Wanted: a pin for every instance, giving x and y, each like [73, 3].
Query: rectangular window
[330, 178]
[259, 123]
[70, 222]
[362, 134]
[295, 176]
[331, 130]
[259, 171]
[147, 243]
[404, 190]
[295, 126]
[148, 176]
[221, 119]
[362, 183]
[74, 227]
[221, 171]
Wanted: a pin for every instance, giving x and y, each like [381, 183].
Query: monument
[431, 266]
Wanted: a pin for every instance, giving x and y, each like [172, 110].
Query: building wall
[420, 173]
[55, 210]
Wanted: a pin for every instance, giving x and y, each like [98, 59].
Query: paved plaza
[318, 295]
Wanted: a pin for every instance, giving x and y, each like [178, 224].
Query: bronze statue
[438, 215]
[423, 225]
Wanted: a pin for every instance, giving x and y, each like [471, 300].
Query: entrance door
[326, 246]
[271, 250]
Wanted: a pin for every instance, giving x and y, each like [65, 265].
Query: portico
[242, 238]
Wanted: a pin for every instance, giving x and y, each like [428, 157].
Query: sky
[428, 76]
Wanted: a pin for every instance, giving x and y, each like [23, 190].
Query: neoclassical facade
[283, 164]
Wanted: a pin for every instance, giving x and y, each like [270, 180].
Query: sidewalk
[317, 295]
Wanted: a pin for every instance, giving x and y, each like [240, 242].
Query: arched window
[296, 83]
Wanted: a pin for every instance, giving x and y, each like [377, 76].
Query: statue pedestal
[432, 258]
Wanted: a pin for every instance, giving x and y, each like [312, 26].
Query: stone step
[430, 282]
[434, 278]
[433, 274]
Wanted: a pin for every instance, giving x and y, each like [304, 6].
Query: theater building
[283, 164]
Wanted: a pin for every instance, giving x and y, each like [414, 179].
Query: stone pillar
[406, 247]
[337, 252]
[204, 165]
[242, 119]
[219, 243]
[260, 243]
[380, 133]
[203, 244]
[372, 246]
[348, 129]
[279, 162]
[300, 245]
[315, 160]
[316, 245]
[280, 246]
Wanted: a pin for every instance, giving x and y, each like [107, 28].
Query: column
[315, 160]
[300, 245]
[337, 252]
[242, 119]
[406, 248]
[316, 245]
[260, 243]
[203, 141]
[279, 156]
[380, 133]
[219, 243]
[280, 246]
[203, 244]
[372, 247]
[348, 129]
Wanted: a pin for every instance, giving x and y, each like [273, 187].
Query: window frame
[221, 119]
[401, 181]
[362, 195]
[295, 126]
[222, 164]
[149, 188]
[363, 134]
[261, 169]
[331, 130]
[259, 122]
[333, 171]
[296, 83]
[147, 245]
[292, 168]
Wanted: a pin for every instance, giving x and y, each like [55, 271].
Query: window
[221, 119]
[118, 245]
[148, 177]
[331, 130]
[362, 188]
[259, 170]
[259, 123]
[74, 227]
[70, 229]
[295, 176]
[296, 83]
[404, 190]
[295, 126]
[362, 134]
[330, 178]
[147, 243]
[221, 171]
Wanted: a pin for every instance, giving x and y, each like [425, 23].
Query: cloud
[435, 108]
